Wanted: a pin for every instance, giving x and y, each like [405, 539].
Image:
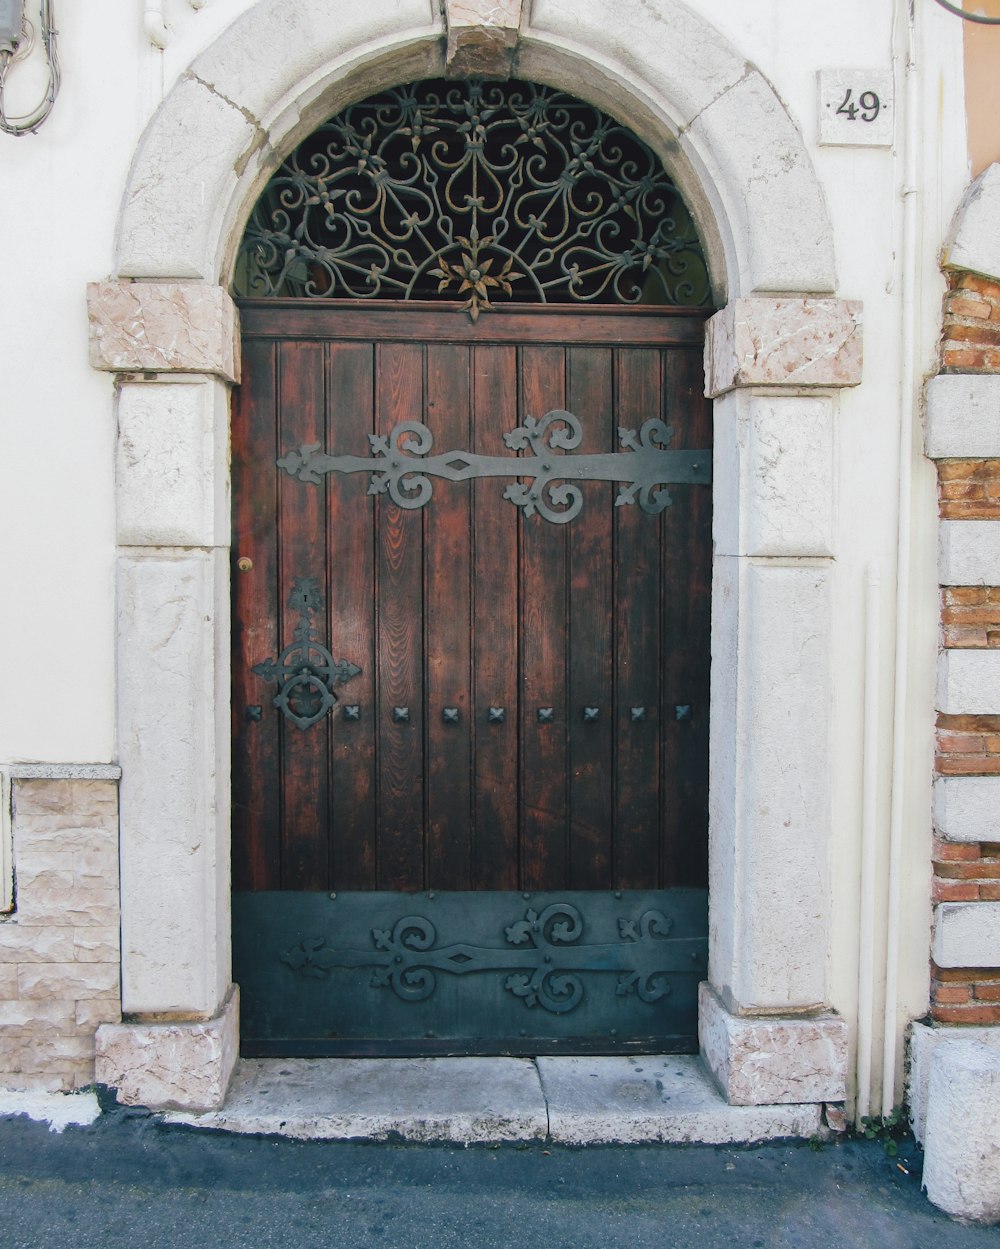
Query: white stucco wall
[60, 195]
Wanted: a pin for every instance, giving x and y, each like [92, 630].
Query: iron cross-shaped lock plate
[305, 671]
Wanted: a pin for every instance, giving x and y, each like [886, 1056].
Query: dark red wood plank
[687, 580]
[256, 790]
[543, 648]
[350, 544]
[446, 323]
[447, 603]
[399, 542]
[590, 624]
[495, 629]
[302, 554]
[637, 651]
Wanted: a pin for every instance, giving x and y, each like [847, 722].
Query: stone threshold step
[572, 1101]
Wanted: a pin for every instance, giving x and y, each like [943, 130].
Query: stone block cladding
[59, 948]
[968, 745]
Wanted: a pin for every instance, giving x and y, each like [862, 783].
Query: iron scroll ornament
[544, 958]
[400, 465]
[477, 191]
[305, 671]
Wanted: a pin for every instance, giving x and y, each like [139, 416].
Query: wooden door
[470, 732]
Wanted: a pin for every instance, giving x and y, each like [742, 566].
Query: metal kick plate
[470, 973]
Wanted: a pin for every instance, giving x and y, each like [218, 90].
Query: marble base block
[171, 1066]
[759, 1061]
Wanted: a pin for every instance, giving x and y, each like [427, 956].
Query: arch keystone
[482, 35]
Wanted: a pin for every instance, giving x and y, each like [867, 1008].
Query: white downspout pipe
[869, 844]
[153, 25]
[909, 291]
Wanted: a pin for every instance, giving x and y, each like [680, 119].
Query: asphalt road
[129, 1180]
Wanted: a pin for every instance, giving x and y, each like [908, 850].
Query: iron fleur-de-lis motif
[543, 960]
[401, 465]
[305, 671]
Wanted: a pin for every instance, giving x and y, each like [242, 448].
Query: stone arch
[663, 70]
[773, 356]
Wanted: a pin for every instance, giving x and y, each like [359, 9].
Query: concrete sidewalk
[130, 1178]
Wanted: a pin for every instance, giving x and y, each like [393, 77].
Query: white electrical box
[856, 108]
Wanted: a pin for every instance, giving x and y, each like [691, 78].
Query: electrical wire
[29, 122]
[969, 17]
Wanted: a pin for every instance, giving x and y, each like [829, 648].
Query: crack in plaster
[749, 69]
[261, 141]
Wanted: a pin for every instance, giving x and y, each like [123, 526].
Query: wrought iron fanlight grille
[476, 191]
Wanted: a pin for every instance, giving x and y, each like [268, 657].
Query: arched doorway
[471, 571]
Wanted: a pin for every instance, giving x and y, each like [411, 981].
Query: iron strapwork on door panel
[305, 670]
[543, 958]
[401, 466]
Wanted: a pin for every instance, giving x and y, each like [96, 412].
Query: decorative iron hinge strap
[543, 970]
[401, 466]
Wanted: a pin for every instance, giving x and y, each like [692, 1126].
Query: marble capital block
[172, 464]
[171, 1066]
[962, 1130]
[773, 475]
[783, 342]
[770, 821]
[482, 35]
[163, 327]
[967, 808]
[966, 934]
[173, 738]
[766, 1061]
[968, 682]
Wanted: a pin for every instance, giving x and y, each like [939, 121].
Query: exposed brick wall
[60, 949]
[970, 615]
[966, 871]
[968, 745]
[971, 339]
[965, 994]
[969, 489]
